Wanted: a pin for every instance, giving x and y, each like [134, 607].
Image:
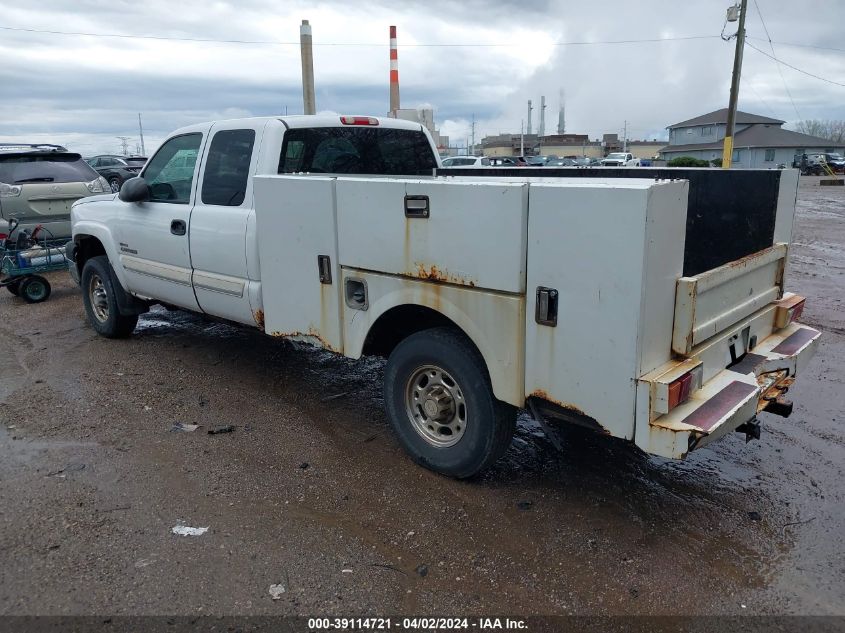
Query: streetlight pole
[728, 147]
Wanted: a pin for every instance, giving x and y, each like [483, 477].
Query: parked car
[38, 183]
[587, 162]
[561, 162]
[620, 159]
[535, 161]
[117, 169]
[466, 161]
[507, 161]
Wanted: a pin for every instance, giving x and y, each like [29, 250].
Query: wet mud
[312, 493]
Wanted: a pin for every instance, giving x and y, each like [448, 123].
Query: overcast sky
[84, 91]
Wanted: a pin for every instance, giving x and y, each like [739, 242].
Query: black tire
[14, 287]
[487, 425]
[114, 184]
[34, 289]
[98, 295]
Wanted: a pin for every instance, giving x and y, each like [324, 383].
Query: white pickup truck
[586, 299]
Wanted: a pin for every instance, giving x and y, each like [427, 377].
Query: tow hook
[751, 430]
[779, 406]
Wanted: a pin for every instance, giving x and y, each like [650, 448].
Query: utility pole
[141, 132]
[472, 153]
[728, 147]
[124, 143]
[306, 52]
[625, 137]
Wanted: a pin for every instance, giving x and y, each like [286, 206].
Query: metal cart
[23, 259]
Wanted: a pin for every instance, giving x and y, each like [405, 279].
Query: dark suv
[117, 169]
[38, 183]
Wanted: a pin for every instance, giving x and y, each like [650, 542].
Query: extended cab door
[153, 235]
[219, 220]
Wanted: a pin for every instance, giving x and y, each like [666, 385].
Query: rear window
[358, 150]
[23, 168]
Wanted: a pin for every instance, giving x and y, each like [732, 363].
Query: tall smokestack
[561, 115]
[394, 73]
[528, 127]
[542, 130]
[309, 105]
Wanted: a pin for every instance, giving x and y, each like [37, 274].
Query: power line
[809, 74]
[780, 71]
[821, 48]
[356, 44]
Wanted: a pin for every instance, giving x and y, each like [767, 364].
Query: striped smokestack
[394, 74]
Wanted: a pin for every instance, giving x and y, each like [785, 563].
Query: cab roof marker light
[359, 120]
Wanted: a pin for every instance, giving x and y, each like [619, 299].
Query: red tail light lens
[359, 120]
[681, 388]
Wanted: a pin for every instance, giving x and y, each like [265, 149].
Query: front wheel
[98, 295]
[441, 405]
[114, 183]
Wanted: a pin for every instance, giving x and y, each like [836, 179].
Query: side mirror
[135, 190]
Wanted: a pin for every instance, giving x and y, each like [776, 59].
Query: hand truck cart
[23, 259]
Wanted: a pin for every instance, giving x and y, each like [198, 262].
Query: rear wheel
[441, 405]
[34, 289]
[114, 183]
[99, 297]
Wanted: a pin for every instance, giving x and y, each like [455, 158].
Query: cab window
[170, 173]
[227, 168]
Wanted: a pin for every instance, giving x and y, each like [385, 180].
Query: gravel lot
[312, 493]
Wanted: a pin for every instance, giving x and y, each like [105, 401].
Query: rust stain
[543, 394]
[258, 315]
[433, 273]
[311, 333]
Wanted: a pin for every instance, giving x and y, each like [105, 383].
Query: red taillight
[3, 236]
[788, 310]
[359, 120]
[681, 388]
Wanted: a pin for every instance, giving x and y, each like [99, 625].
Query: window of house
[770, 155]
[707, 130]
[737, 155]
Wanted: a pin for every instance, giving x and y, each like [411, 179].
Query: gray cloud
[86, 90]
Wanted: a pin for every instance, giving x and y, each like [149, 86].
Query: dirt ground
[311, 492]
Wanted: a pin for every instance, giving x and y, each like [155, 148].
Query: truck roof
[310, 120]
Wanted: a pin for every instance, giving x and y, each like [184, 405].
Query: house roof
[721, 116]
[760, 136]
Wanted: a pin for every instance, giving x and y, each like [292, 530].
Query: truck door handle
[417, 207]
[178, 227]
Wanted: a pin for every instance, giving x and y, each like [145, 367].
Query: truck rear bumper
[735, 395]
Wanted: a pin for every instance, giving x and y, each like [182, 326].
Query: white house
[759, 141]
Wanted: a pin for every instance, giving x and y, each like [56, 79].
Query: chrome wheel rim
[115, 186]
[99, 298]
[435, 406]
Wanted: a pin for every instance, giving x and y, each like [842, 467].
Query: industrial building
[758, 140]
[566, 145]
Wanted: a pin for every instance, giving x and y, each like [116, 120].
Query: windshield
[616, 155]
[45, 168]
